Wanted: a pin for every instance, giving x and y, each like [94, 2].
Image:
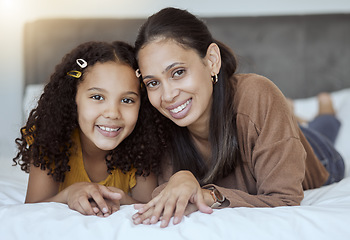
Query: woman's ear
[214, 58]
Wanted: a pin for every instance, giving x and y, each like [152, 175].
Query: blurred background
[14, 14]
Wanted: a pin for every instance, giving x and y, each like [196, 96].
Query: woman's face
[178, 82]
[108, 102]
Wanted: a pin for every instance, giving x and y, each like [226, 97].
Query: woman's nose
[169, 92]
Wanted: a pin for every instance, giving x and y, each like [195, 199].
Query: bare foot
[325, 104]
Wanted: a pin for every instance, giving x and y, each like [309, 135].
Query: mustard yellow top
[78, 173]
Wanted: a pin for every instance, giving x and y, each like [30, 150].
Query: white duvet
[324, 213]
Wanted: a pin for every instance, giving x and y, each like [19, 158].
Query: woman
[233, 140]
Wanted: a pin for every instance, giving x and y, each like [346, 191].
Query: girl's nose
[112, 111]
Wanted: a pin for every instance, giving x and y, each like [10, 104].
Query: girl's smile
[109, 131]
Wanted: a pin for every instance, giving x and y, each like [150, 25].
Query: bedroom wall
[14, 13]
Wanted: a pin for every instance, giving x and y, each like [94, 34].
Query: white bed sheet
[324, 213]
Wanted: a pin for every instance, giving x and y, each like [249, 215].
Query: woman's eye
[178, 73]
[97, 97]
[127, 100]
[152, 84]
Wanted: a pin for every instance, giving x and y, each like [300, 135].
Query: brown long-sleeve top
[278, 162]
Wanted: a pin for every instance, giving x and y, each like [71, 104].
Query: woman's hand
[92, 198]
[182, 189]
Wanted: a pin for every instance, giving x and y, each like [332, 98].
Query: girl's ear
[214, 58]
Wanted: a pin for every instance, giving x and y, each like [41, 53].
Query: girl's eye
[97, 97]
[127, 100]
[178, 73]
[152, 84]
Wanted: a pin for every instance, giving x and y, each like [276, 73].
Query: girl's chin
[107, 147]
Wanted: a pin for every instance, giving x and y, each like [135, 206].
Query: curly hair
[46, 139]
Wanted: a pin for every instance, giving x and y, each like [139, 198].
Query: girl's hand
[113, 205]
[79, 197]
[182, 189]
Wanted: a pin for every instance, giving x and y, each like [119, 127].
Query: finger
[142, 218]
[191, 207]
[85, 206]
[180, 210]
[99, 214]
[200, 203]
[138, 205]
[96, 210]
[76, 206]
[149, 205]
[100, 202]
[115, 207]
[168, 212]
[109, 193]
[157, 211]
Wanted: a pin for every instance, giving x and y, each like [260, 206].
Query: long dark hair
[46, 139]
[191, 32]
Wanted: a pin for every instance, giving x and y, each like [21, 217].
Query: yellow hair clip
[74, 73]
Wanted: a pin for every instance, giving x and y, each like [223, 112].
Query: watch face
[218, 195]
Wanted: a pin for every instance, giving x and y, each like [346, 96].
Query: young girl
[80, 144]
[233, 140]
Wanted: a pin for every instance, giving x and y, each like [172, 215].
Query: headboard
[303, 54]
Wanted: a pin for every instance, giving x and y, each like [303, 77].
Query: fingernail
[176, 220]
[137, 221]
[140, 210]
[96, 210]
[163, 224]
[104, 210]
[146, 221]
[153, 219]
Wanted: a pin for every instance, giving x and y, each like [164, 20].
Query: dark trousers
[321, 134]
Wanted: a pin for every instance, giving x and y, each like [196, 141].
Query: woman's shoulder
[256, 94]
[253, 81]
[250, 85]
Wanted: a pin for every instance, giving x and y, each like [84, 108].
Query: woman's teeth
[108, 129]
[181, 107]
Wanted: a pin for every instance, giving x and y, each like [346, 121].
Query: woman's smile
[181, 110]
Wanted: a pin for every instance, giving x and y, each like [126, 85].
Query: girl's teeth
[109, 129]
[181, 107]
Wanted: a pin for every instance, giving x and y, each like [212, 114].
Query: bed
[324, 213]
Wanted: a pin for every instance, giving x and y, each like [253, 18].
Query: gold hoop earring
[215, 78]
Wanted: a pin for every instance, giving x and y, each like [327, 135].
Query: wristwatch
[217, 196]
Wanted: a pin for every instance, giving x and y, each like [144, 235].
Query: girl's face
[108, 102]
[178, 81]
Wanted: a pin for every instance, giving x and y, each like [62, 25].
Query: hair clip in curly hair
[138, 73]
[75, 74]
[81, 62]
